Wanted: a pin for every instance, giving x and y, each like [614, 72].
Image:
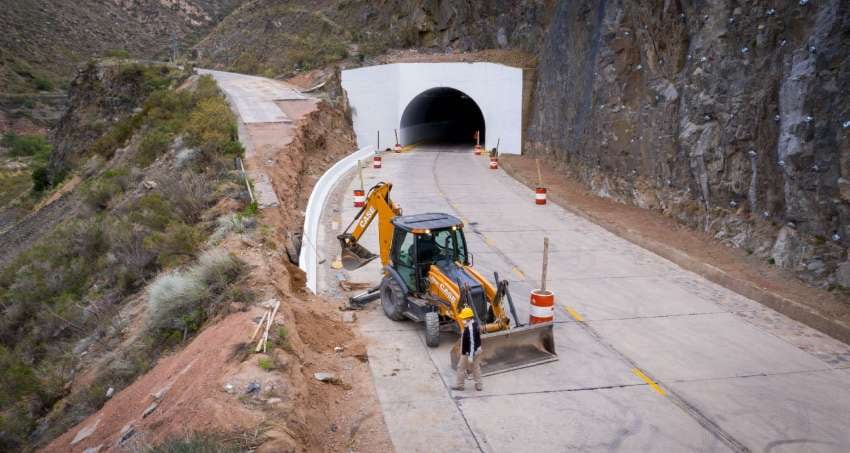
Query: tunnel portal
[442, 116]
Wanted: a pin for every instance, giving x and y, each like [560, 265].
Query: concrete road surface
[254, 97]
[652, 357]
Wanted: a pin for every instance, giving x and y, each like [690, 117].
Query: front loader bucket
[516, 348]
[353, 255]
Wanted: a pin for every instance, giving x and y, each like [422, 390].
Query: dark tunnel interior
[442, 116]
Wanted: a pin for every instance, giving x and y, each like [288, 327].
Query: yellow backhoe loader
[429, 277]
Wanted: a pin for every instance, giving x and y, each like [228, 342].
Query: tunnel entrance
[442, 115]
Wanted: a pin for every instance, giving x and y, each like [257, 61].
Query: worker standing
[470, 351]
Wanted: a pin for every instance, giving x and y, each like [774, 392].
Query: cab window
[442, 245]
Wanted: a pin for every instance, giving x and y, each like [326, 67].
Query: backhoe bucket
[516, 348]
[353, 255]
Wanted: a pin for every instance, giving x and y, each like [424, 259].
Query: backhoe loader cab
[422, 240]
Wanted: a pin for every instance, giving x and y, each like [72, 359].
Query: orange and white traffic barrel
[477, 150]
[397, 148]
[542, 308]
[376, 162]
[494, 163]
[540, 195]
[359, 198]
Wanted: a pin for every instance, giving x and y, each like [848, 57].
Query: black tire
[392, 299]
[432, 329]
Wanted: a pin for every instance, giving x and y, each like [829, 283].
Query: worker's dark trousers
[464, 364]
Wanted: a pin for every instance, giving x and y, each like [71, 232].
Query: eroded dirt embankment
[216, 383]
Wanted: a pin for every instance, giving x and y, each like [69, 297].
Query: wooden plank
[259, 325]
[261, 342]
[539, 174]
[545, 263]
[269, 325]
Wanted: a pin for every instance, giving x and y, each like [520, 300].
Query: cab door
[404, 257]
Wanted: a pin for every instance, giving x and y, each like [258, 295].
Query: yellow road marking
[574, 314]
[518, 272]
[648, 381]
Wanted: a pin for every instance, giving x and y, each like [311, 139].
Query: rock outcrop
[730, 117]
[104, 94]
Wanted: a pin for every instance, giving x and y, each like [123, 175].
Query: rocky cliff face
[103, 95]
[732, 117]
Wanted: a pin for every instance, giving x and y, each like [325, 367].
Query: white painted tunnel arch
[378, 95]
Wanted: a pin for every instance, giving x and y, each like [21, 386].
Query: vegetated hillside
[43, 41]
[145, 199]
[732, 117]
[272, 38]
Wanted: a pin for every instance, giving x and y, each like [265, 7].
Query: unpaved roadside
[697, 252]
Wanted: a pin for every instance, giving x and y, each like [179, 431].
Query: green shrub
[152, 211]
[40, 178]
[99, 192]
[236, 223]
[206, 88]
[196, 443]
[16, 378]
[43, 84]
[118, 53]
[189, 193]
[131, 260]
[179, 302]
[210, 128]
[153, 144]
[176, 245]
[251, 209]
[168, 108]
[35, 146]
[117, 137]
[266, 363]
[281, 339]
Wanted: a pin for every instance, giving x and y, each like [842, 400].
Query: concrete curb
[788, 307]
[309, 256]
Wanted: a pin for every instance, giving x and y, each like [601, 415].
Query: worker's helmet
[466, 313]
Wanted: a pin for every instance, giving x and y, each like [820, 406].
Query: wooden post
[259, 326]
[545, 263]
[498, 140]
[539, 174]
[247, 183]
[261, 346]
[360, 174]
[378, 146]
[396, 135]
[478, 138]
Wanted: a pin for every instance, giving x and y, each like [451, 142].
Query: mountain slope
[43, 41]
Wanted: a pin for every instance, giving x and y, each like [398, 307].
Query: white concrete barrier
[308, 259]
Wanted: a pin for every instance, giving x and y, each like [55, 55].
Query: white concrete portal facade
[378, 96]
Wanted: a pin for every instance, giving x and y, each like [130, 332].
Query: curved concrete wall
[308, 258]
[378, 96]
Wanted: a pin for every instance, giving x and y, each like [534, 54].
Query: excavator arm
[378, 204]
